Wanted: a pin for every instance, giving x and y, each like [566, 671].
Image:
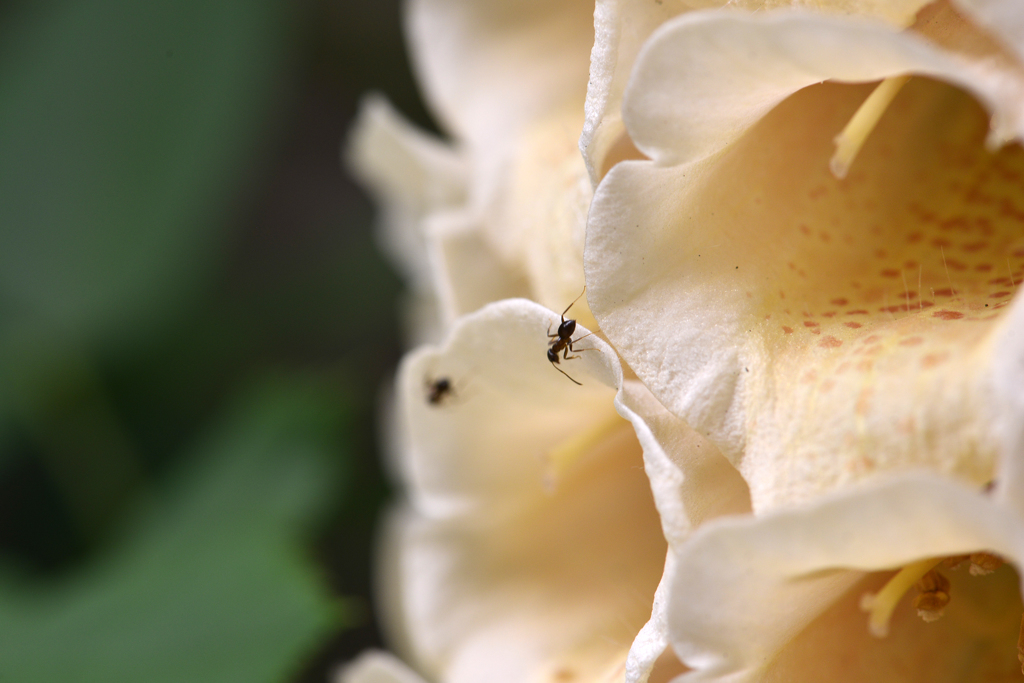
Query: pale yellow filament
[864, 120]
[881, 604]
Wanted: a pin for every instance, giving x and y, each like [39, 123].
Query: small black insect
[438, 390]
[562, 341]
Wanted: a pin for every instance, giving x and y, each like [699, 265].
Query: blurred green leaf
[125, 130]
[209, 583]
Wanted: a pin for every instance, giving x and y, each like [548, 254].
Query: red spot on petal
[839, 302]
[947, 315]
[999, 295]
[859, 311]
[787, 330]
[810, 323]
[853, 325]
[830, 342]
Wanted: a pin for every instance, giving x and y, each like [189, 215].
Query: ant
[562, 341]
[438, 390]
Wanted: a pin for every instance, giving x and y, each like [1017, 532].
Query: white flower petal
[820, 330]
[376, 667]
[490, 68]
[705, 77]
[734, 576]
[1002, 17]
[486, 444]
[692, 482]
[622, 26]
[412, 174]
[468, 271]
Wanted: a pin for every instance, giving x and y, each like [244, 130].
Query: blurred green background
[195, 327]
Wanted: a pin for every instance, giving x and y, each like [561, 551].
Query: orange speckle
[839, 302]
[870, 339]
[809, 377]
[830, 342]
[953, 264]
[828, 314]
[912, 341]
[944, 292]
[805, 230]
[915, 237]
[827, 384]
[865, 365]
[853, 325]
[947, 315]
[972, 247]
[787, 330]
[889, 272]
[825, 237]
[810, 323]
[941, 242]
[933, 359]
[983, 267]
[843, 367]
[859, 311]
[819, 191]
[999, 295]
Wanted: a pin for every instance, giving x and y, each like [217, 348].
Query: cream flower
[530, 546]
[500, 211]
[784, 596]
[821, 331]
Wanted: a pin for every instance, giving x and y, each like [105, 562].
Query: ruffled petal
[763, 598]
[412, 175]
[706, 77]
[622, 26]
[489, 69]
[820, 330]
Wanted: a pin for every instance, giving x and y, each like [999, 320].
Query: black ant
[438, 390]
[562, 341]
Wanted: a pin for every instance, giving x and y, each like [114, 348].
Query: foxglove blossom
[841, 321]
[530, 545]
[820, 330]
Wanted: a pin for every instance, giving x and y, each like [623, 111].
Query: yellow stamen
[560, 458]
[851, 139]
[881, 604]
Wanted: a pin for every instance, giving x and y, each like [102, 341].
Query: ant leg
[573, 301]
[566, 374]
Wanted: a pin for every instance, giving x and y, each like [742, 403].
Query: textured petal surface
[732, 577]
[821, 330]
[705, 77]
